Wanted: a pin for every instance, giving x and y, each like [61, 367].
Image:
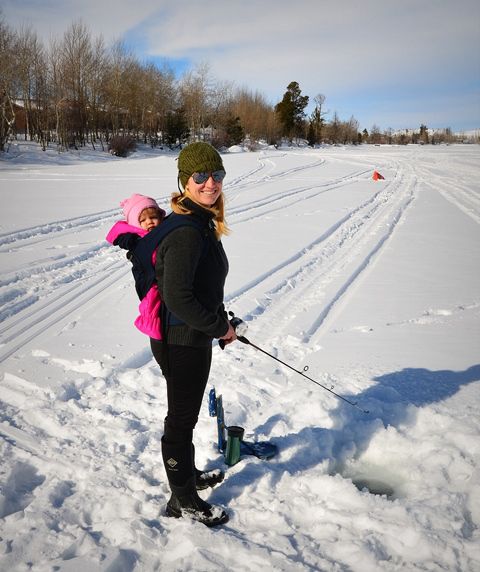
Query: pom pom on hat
[133, 206]
[196, 158]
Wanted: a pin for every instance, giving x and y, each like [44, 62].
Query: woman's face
[205, 194]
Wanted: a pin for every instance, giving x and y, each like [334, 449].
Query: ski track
[50, 310]
[26, 237]
[18, 296]
[90, 444]
[277, 201]
[28, 305]
[328, 267]
[29, 308]
[52, 279]
[464, 198]
[264, 173]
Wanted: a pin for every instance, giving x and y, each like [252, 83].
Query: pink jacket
[148, 322]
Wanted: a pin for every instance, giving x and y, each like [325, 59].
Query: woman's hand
[229, 337]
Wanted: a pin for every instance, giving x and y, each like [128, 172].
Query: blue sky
[393, 63]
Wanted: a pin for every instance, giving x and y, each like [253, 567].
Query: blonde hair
[217, 209]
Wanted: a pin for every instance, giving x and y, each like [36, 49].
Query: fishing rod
[240, 328]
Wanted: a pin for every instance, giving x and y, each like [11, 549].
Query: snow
[374, 285]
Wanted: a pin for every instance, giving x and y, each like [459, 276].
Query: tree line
[77, 91]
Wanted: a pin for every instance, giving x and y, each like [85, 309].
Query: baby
[142, 214]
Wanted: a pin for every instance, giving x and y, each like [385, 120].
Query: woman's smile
[206, 193]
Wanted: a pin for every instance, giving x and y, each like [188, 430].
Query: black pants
[186, 370]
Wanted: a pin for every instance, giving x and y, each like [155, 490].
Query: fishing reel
[240, 328]
[238, 325]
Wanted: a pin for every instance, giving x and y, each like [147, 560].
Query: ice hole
[374, 487]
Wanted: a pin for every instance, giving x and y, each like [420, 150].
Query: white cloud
[51, 18]
[340, 48]
[329, 45]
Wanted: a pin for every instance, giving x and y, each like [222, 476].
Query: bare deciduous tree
[7, 80]
[79, 91]
[75, 70]
[257, 117]
[194, 93]
[317, 120]
[375, 136]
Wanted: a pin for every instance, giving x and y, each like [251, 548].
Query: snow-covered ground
[374, 285]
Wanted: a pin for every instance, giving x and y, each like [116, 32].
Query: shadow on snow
[393, 401]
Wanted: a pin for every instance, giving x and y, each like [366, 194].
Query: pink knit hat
[133, 206]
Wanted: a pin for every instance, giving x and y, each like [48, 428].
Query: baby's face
[149, 218]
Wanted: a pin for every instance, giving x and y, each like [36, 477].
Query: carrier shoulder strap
[141, 255]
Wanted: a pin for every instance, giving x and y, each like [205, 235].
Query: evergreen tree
[423, 133]
[234, 131]
[291, 110]
[176, 129]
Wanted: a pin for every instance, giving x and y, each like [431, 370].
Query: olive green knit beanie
[196, 158]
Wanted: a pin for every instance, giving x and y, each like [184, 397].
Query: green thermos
[234, 437]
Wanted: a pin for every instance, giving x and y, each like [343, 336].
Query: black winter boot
[205, 479]
[177, 459]
[185, 502]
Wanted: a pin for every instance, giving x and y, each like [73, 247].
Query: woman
[191, 268]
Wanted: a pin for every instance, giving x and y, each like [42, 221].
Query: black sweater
[191, 270]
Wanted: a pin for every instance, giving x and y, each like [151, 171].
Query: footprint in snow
[17, 493]
[62, 491]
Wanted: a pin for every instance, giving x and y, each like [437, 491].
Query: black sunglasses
[217, 176]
